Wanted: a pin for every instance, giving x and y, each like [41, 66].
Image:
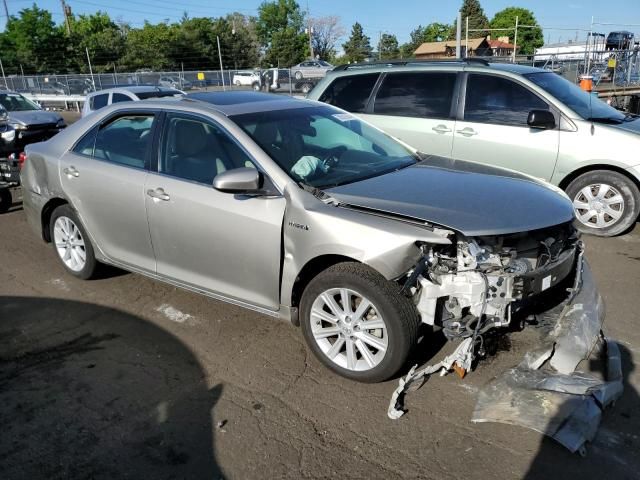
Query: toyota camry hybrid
[299, 210]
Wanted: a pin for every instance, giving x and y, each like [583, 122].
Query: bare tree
[326, 31]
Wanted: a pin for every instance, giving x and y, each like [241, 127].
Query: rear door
[103, 177]
[418, 108]
[220, 242]
[494, 130]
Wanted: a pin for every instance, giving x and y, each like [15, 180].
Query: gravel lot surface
[125, 377]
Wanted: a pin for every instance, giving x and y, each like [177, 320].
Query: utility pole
[90, 69]
[310, 31]
[6, 9]
[66, 11]
[380, 45]
[224, 88]
[515, 42]
[2, 68]
[458, 34]
[466, 43]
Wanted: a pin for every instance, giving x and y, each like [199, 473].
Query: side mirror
[541, 119]
[239, 180]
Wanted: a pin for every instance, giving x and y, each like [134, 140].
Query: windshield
[14, 102]
[325, 64]
[324, 147]
[587, 106]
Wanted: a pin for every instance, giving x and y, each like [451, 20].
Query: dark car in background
[27, 123]
[622, 40]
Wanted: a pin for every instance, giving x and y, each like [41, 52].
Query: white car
[247, 79]
[102, 98]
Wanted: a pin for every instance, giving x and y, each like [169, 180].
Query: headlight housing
[18, 126]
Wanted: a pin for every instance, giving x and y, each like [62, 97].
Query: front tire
[357, 323]
[71, 243]
[606, 203]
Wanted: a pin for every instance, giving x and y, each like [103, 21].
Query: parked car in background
[511, 116]
[622, 40]
[27, 123]
[298, 210]
[78, 86]
[102, 98]
[175, 82]
[311, 69]
[247, 79]
[50, 88]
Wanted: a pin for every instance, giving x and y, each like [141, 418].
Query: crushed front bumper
[545, 392]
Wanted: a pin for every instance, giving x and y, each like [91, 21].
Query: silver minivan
[511, 116]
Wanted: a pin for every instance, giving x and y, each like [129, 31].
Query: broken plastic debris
[460, 359]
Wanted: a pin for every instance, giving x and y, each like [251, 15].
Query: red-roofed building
[501, 47]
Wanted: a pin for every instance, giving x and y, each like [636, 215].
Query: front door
[417, 108]
[103, 177]
[220, 242]
[494, 127]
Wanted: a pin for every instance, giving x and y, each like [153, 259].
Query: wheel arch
[566, 181]
[309, 271]
[45, 216]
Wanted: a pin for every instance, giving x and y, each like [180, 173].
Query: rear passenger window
[198, 150]
[99, 101]
[492, 99]
[350, 93]
[119, 97]
[423, 95]
[86, 143]
[125, 141]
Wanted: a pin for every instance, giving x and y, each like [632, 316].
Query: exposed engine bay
[478, 285]
[481, 283]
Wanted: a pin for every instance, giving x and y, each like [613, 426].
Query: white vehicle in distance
[311, 69]
[247, 79]
[134, 93]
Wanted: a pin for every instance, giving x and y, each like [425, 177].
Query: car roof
[413, 64]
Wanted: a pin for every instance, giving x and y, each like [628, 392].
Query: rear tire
[373, 342]
[71, 243]
[606, 203]
[6, 200]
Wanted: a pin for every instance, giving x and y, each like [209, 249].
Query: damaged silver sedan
[301, 211]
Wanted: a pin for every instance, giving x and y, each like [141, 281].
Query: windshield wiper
[318, 193]
[611, 120]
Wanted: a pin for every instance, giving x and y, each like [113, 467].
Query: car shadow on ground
[616, 443]
[92, 392]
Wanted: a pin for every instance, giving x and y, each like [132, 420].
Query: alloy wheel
[349, 329]
[69, 243]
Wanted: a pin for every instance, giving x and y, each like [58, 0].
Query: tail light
[21, 159]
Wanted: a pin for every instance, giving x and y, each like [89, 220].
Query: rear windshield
[158, 94]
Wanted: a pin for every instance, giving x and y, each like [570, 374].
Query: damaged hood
[474, 199]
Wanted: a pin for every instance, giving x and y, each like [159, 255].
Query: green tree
[358, 47]
[388, 47]
[280, 30]
[102, 37]
[33, 40]
[477, 19]
[150, 47]
[528, 38]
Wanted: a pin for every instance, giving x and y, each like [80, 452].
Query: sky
[561, 20]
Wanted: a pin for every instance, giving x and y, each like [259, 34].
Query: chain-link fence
[289, 80]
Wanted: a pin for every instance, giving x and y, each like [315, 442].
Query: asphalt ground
[125, 377]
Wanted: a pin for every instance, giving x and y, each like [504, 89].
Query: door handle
[467, 132]
[441, 129]
[71, 171]
[158, 194]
